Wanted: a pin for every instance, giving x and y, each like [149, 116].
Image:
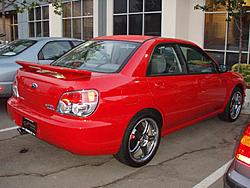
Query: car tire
[234, 106]
[141, 140]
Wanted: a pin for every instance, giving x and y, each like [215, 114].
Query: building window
[221, 38]
[13, 27]
[39, 21]
[78, 19]
[137, 17]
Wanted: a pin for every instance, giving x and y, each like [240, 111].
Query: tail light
[243, 152]
[78, 103]
[15, 88]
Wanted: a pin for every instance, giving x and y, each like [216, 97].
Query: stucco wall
[180, 20]
[196, 23]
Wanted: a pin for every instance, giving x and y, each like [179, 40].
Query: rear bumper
[234, 179]
[79, 136]
[5, 89]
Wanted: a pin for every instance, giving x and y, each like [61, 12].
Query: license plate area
[29, 126]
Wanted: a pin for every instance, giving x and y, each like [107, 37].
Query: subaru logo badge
[34, 86]
[50, 107]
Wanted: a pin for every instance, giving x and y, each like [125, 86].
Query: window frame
[40, 21]
[14, 35]
[143, 13]
[225, 51]
[71, 18]
[40, 51]
[196, 48]
[179, 56]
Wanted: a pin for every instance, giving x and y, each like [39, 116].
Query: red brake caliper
[132, 136]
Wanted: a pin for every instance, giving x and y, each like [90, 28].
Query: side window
[54, 50]
[164, 61]
[196, 61]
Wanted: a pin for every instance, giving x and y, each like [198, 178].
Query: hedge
[245, 71]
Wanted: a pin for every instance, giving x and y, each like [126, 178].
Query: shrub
[245, 71]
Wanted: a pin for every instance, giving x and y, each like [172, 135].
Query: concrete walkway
[246, 107]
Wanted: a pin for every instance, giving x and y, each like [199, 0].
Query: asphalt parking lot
[184, 159]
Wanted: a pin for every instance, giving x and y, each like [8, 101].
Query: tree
[236, 10]
[22, 5]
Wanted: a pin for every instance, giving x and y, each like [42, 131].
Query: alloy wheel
[143, 139]
[236, 105]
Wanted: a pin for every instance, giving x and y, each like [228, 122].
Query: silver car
[238, 174]
[37, 50]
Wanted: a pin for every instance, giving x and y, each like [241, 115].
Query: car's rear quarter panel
[232, 80]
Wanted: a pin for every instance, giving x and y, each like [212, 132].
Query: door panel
[173, 91]
[177, 97]
[212, 91]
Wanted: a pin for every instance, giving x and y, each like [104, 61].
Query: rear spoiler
[54, 71]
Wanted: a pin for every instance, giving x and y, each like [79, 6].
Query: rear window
[98, 56]
[16, 47]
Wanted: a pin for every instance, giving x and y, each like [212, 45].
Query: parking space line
[212, 178]
[8, 129]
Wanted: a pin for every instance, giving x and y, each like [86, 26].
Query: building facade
[85, 19]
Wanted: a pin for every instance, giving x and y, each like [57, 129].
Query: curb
[246, 107]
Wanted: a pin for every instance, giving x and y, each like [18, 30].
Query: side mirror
[222, 68]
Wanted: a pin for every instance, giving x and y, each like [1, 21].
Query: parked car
[238, 174]
[37, 50]
[119, 94]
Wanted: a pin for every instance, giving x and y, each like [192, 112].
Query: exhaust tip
[21, 131]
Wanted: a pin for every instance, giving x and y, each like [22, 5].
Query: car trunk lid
[41, 86]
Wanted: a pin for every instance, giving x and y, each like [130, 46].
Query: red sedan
[118, 95]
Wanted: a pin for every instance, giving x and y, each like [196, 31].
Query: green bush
[245, 71]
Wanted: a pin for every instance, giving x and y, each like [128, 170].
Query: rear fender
[235, 83]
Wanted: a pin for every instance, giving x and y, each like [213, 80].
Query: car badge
[34, 86]
[50, 107]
